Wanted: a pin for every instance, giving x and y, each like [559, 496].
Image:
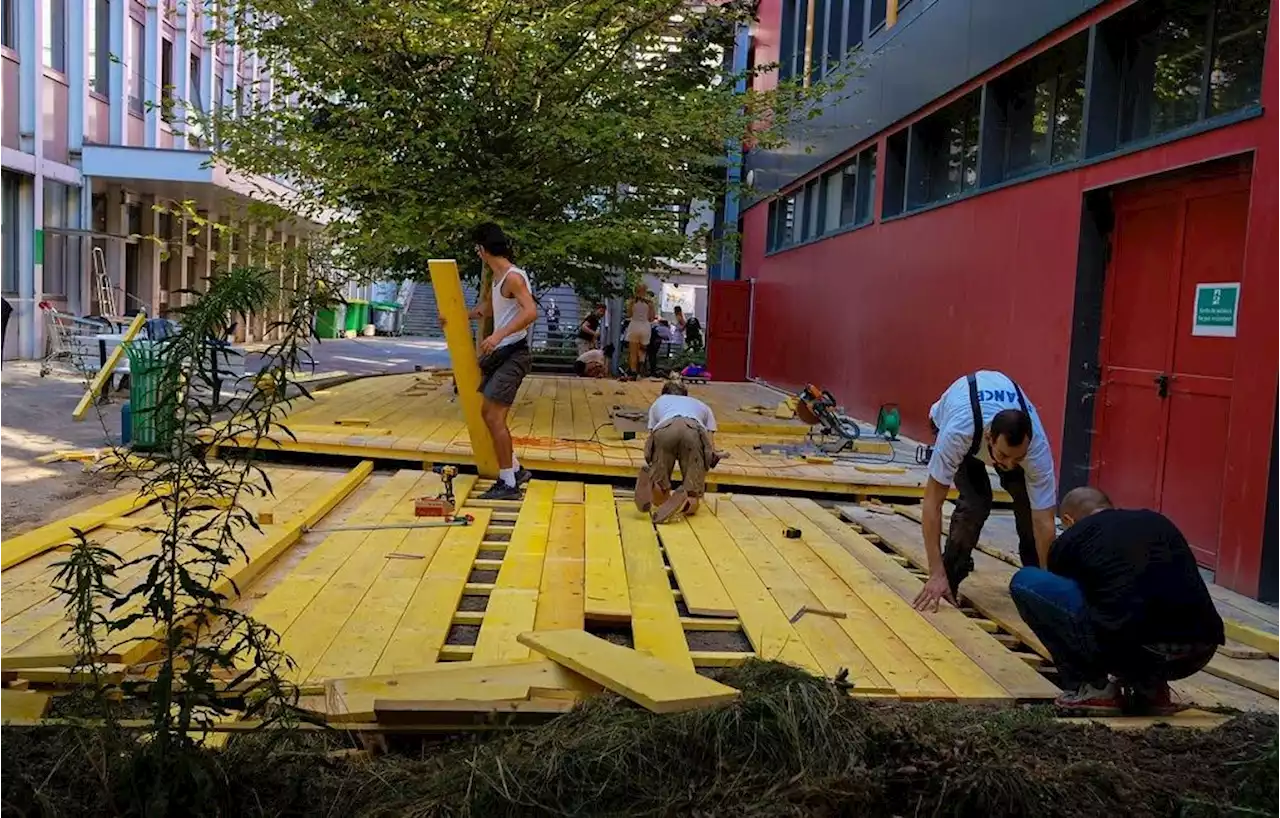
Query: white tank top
[506, 309]
[640, 312]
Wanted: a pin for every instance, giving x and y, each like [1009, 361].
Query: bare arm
[937, 587]
[483, 308]
[1043, 523]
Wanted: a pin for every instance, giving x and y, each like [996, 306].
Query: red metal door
[1166, 393]
[728, 329]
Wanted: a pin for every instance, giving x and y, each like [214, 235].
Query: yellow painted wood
[765, 624]
[457, 653]
[1268, 643]
[560, 596]
[513, 603]
[570, 492]
[644, 679]
[697, 623]
[351, 699]
[720, 658]
[656, 628]
[704, 594]
[607, 596]
[23, 547]
[23, 705]
[462, 355]
[826, 637]
[1256, 674]
[104, 374]
[467, 617]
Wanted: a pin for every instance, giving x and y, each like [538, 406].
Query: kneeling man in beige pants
[681, 430]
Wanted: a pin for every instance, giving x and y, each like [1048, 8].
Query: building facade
[95, 135]
[1081, 193]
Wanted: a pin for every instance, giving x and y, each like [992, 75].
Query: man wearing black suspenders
[984, 419]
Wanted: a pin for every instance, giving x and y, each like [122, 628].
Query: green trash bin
[329, 322]
[152, 425]
[357, 315]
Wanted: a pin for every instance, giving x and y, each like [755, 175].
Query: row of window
[817, 34]
[840, 199]
[1154, 67]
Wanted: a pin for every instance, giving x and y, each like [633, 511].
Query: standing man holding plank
[984, 419]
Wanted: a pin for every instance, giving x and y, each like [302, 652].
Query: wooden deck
[563, 426]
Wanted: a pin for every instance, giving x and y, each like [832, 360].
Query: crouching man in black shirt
[1122, 608]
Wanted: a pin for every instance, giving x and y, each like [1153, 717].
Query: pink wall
[9, 134]
[98, 129]
[53, 107]
[137, 126]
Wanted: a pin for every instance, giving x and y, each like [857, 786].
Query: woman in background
[640, 312]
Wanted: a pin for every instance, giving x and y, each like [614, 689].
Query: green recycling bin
[329, 322]
[357, 315]
[152, 423]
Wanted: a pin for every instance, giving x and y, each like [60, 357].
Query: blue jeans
[1055, 608]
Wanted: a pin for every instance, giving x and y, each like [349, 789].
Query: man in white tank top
[504, 355]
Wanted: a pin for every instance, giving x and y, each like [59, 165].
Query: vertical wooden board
[1010, 672]
[655, 620]
[513, 604]
[829, 643]
[560, 594]
[584, 423]
[462, 355]
[606, 570]
[765, 624]
[569, 492]
[704, 594]
[424, 626]
[562, 421]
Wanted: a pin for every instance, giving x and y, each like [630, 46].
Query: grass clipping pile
[790, 745]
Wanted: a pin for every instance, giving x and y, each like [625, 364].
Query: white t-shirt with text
[669, 407]
[953, 416]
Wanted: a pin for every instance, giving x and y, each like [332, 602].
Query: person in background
[693, 333]
[677, 329]
[594, 363]
[681, 429]
[589, 330]
[504, 356]
[640, 314]
[553, 318]
[659, 334]
[1122, 607]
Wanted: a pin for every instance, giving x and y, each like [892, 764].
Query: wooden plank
[23, 547]
[456, 325]
[560, 596]
[606, 570]
[967, 680]
[104, 374]
[513, 603]
[765, 624]
[1190, 719]
[1268, 643]
[352, 699]
[704, 594]
[693, 623]
[570, 492]
[1021, 681]
[504, 712]
[23, 705]
[1256, 674]
[655, 621]
[828, 639]
[644, 679]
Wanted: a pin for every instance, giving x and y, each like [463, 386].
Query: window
[782, 214]
[944, 153]
[1181, 62]
[9, 24]
[866, 186]
[877, 12]
[812, 210]
[60, 206]
[9, 216]
[895, 173]
[849, 192]
[55, 34]
[137, 64]
[193, 90]
[853, 24]
[166, 78]
[817, 62]
[1039, 110]
[832, 189]
[840, 198]
[793, 61]
[817, 47]
[99, 37]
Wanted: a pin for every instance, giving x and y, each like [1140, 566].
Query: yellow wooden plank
[965, 678]
[23, 705]
[113, 360]
[420, 633]
[606, 570]
[23, 547]
[1268, 643]
[655, 621]
[1256, 674]
[829, 639]
[351, 699]
[569, 492]
[644, 679]
[513, 603]
[704, 595]
[694, 623]
[560, 596]
[453, 311]
[766, 625]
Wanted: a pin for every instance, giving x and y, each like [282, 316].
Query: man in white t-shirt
[984, 420]
[681, 429]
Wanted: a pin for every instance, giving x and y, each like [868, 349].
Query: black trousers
[973, 507]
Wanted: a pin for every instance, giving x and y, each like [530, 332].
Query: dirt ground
[35, 419]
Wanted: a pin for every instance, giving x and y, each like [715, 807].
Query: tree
[581, 127]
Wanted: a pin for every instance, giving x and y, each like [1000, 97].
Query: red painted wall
[894, 312]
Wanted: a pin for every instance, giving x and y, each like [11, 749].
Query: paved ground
[35, 419]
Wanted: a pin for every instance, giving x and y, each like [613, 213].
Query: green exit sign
[1217, 308]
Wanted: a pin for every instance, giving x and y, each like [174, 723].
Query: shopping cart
[71, 340]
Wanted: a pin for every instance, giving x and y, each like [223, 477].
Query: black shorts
[503, 370]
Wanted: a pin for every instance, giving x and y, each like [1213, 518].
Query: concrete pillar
[151, 79]
[117, 73]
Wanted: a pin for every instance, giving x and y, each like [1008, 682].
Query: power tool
[817, 407]
[443, 504]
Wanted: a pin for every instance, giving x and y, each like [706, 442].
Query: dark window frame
[9, 24]
[54, 49]
[99, 60]
[10, 230]
[137, 47]
[1014, 96]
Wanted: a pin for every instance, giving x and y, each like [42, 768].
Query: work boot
[523, 476]
[644, 489]
[501, 491]
[1154, 699]
[958, 563]
[675, 505]
[1091, 699]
